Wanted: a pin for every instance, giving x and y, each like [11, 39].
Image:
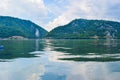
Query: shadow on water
[88, 50]
[19, 48]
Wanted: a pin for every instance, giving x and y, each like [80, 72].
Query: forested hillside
[82, 28]
[10, 26]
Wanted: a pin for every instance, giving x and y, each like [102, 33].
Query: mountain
[82, 28]
[10, 26]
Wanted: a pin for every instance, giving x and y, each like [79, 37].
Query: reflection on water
[88, 50]
[18, 49]
[37, 44]
[110, 42]
[60, 60]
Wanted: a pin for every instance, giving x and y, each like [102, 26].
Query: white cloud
[51, 14]
[88, 9]
[26, 9]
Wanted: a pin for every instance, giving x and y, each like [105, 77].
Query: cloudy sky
[52, 13]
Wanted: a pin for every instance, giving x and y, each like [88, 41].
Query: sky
[53, 13]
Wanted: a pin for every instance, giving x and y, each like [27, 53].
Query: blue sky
[52, 13]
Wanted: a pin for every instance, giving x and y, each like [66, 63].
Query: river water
[84, 59]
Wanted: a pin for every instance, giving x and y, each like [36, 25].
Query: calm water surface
[60, 60]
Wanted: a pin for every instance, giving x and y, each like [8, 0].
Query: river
[84, 59]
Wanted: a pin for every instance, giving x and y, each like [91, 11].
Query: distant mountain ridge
[10, 26]
[82, 28]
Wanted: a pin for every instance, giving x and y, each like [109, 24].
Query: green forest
[76, 29]
[82, 28]
[10, 26]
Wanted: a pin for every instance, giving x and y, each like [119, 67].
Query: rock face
[82, 28]
[17, 37]
[10, 26]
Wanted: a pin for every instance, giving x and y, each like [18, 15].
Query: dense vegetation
[82, 28]
[10, 26]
